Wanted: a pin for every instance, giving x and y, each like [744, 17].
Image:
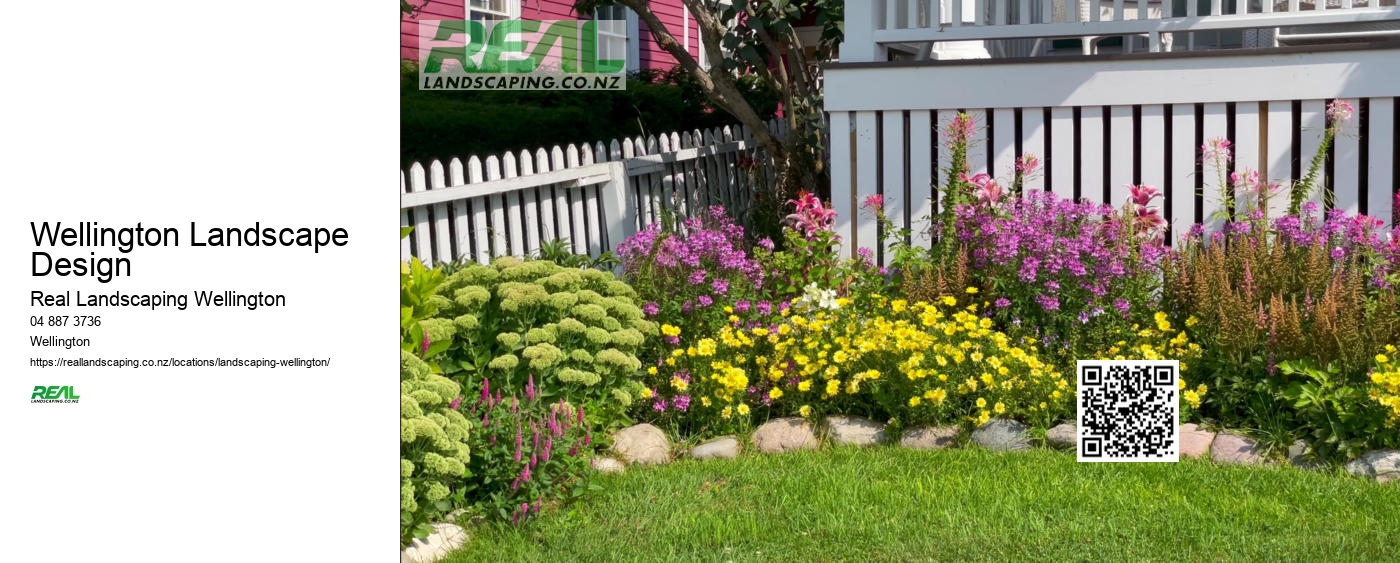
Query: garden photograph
[822, 285]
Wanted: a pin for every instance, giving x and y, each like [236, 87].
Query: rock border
[778, 435]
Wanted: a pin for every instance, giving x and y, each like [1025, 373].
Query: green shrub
[577, 331]
[433, 449]
[433, 453]
[527, 453]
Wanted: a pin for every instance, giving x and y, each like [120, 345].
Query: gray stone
[1229, 447]
[720, 448]
[1063, 436]
[608, 465]
[643, 443]
[1003, 435]
[1194, 441]
[1297, 455]
[854, 430]
[1381, 465]
[444, 539]
[785, 434]
[930, 437]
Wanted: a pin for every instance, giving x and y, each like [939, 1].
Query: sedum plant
[574, 332]
[433, 451]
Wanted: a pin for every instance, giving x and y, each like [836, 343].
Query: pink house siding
[650, 55]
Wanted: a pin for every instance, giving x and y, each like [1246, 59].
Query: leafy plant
[527, 453]
[1335, 412]
[575, 332]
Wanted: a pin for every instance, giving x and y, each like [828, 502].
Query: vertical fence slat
[514, 224]
[892, 185]
[1120, 151]
[1348, 167]
[422, 236]
[1381, 151]
[460, 220]
[1033, 143]
[1059, 156]
[532, 207]
[499, 227]
[566, 227]
[842, 158]
[1247, 147]
[977, 152]
[1091, 153]
[1183, 173]
[1280, 154]
[1213, 125]
[920, 174]
[867, 151]
[1154, 147]
[577, 229]
[480, 233]
[1314, 120]
[442, 243]
[405, 243]
[1003, 142]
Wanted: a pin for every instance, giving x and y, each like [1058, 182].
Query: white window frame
[632, 38]
[512, 10]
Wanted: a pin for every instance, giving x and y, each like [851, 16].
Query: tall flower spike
[530, 387]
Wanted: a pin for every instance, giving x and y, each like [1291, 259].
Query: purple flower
[1002, 303]
[765, 243]
[681, 402]
[705, 301]
[720, 286]
[697, 277]
[764, 308]
[651, 309]
[742, 306]
[1121, 304]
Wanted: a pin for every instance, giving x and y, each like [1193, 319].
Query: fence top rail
[1383, 44]
[1221, 22]
[567, 178]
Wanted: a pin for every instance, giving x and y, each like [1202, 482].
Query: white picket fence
[592, 195]
[1099, 124]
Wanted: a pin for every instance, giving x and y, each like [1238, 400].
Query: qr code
[1128, 410]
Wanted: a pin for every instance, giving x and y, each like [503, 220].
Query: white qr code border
[1088, 380]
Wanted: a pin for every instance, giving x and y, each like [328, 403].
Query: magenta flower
[810, 216]
[456, 403]
[1217, 148]
[874, 202]
[651, 309]
[425, 344]
[1339, 111]
[1027, 164]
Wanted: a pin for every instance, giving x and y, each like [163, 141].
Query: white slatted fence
[591, 195]
[1099, 125]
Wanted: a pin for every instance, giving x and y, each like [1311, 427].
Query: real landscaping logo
[522, 55]
[54, 394]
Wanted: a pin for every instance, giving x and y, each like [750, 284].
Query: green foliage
[432, 121]
[576, 331]
[433, 450]
[559, 252]
[1336, 414]
[527, 453]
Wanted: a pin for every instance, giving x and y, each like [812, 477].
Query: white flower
[821, 298]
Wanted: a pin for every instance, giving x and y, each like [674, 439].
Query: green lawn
[890, 504]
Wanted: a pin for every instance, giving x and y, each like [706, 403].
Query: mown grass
[889, 504]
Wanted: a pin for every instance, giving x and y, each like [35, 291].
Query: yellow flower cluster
[1158, 343]
[931, 362]
[1386, 381]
